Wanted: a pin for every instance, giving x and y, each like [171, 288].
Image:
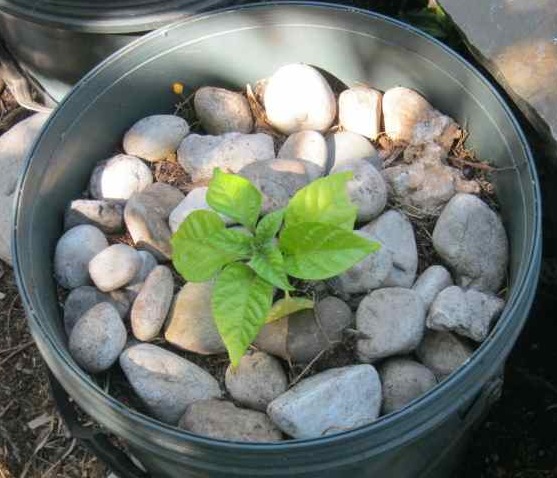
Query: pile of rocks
[410, 332]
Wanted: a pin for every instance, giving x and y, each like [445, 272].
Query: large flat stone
[517, 42]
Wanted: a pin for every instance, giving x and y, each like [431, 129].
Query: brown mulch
[33, 439]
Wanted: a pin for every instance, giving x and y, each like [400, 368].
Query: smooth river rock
[222, 111]
[368, 274]
[307, 145]
[297, 98]
[408, 117]
[156, 137]
[151, 305]
[83, 298]
[465, 312]
[432, 281]
[367, 189]
[74, 251]
[279, 179]
[195, 200]
[191, 325]
[301, 336]
[108, 216]
[403, 380]
[346, 146]
[199, 155]
[393, 321]
[166, 382]
[395, 232]
[256, 381]
[114, 267]
[471, 239]
[225, 421]
[146, 216]
[359, 110]
[119, 177]
[333, 401]
[443, 353]
[97, 338]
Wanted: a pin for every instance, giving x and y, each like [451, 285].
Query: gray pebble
[148, 263]
[258, 379]
[307, 145]
[156, 137]
[97, 338]
[443, 353]
[151, 306]
[222, 111]
[465, 312]
[393, 320]
[367, 188]
[74, 251]
[403, 380]
[199, 155]
[329, 402]
[80, 300]
[345, 146]
[191, 325]
[108, 216]
[146, 216]
[432, 281]
[119, 177]
[279, 179]
[395, 232]
[298, 98]
[224, 421]
[301, 336]
[166, 382]
[471, 239]
[359, 111]
[368, 274]
[114, 267]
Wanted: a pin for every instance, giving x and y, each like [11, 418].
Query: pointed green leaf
[202, 246]
[269, 264]
[283, 307]
[240, 303]
[235, 197]
[325, 200]
[315, 251]
[269, 226]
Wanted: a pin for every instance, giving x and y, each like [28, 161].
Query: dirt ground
[518, 438]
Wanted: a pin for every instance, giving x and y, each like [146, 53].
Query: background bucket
[232, 48]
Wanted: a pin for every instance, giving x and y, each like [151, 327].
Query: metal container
[232, 48]
[57, 42]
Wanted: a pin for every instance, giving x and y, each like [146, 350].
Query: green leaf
[233, 241]
[325, 200]
[283, 307]
[235, 197]
[269, 226]
[202, 246]
[269, 264]
[315, 251]
[240, 303]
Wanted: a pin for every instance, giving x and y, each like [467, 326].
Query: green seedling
[312, 238]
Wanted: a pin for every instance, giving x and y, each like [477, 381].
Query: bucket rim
[106, 16]
[521, 296]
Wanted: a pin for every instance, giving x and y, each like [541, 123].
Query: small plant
[311, 239]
